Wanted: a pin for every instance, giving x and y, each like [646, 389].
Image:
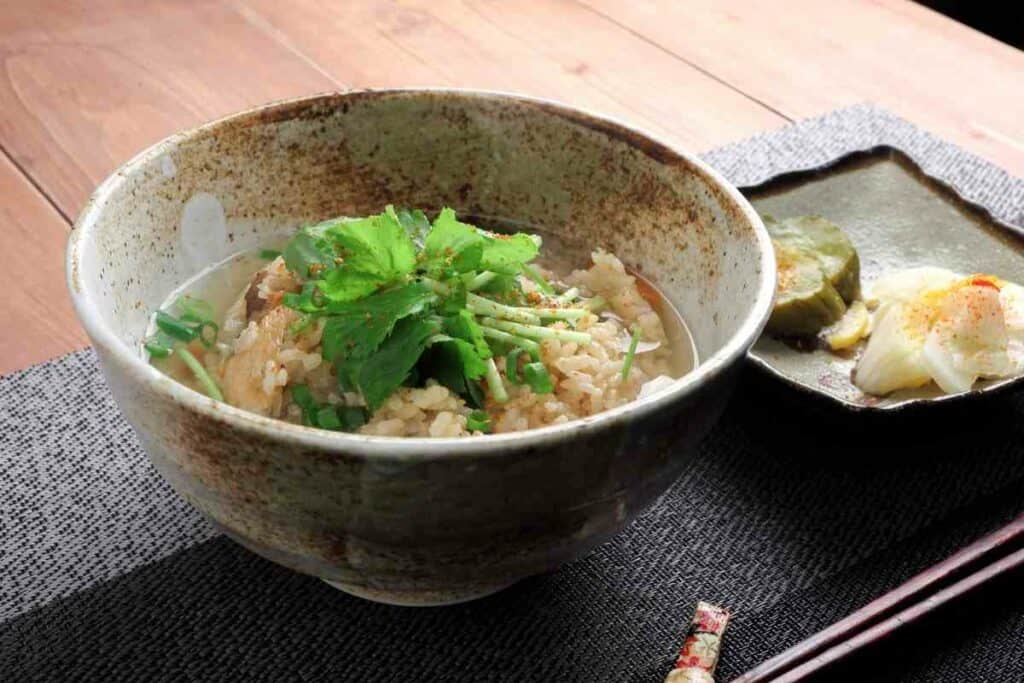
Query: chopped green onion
[526, 344]
[210, 339]
[178, 329]
[194, 310]
[269, 254]
[627, 362]
[542, 284]
[494, 382]
[481, 306]
[209, 386]
[537, 332]
[538, 377]
[480, 280]
[334, 418]
[512, 366]
[478, 421]
[157, 350]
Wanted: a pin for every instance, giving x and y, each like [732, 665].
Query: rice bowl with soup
[434, 420]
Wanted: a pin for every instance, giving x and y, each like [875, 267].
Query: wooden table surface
[88, 83]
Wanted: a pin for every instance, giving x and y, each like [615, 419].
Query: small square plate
[897, 217]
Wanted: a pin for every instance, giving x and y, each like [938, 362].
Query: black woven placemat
[790, 521]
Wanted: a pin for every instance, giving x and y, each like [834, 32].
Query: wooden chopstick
[907, 616]
[962, 572]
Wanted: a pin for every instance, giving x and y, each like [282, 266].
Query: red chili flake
[984, 282]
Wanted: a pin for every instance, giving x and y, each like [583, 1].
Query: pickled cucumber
[819, 274]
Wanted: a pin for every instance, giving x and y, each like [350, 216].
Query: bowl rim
[398, 447]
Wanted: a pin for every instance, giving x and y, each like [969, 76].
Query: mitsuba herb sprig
[405, 299]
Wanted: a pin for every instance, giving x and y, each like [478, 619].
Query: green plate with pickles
[896, 217]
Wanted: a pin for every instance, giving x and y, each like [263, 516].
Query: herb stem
[209, 386]
[481, 306]
[528, 345]
[560, 313]
[568, 295]
[437, 287]
[627, 363]
[538, 279]
[536, 331]
[494, 382]
[480, 280]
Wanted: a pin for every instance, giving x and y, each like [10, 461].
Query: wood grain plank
[88, 83]
[544, 48]
[813, 56]
[38, 320]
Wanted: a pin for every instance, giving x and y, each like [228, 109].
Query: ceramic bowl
[418, 521]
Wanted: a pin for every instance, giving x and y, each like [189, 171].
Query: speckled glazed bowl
[418, 521]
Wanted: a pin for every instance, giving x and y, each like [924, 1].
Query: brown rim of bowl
[396, 447]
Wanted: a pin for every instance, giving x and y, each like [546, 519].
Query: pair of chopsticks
[991, 557]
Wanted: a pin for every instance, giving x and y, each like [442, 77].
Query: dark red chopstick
[879, 631]
[980, 562]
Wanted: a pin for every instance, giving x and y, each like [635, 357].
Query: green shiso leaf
[309, 253]
[355, 329]
[507, 254]
[378, 376]
[374, 251]
[456, 364]
[452, 247]
[415, 223]
[463, 326]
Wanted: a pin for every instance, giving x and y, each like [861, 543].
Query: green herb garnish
[405, 299]
[177, 329]
[538, 378]
[205, 381]
[538, 279]
[326, 416]
[157, 350]
[194, 320]
[627, 362]
[269, 254]
[478, 421]
[512, 366]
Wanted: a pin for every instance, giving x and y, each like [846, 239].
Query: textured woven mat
[106, 575]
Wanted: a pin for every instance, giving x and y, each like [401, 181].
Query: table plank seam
[694, 65]
[259, 23]
[35, 185]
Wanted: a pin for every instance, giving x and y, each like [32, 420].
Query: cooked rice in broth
[493, 343]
